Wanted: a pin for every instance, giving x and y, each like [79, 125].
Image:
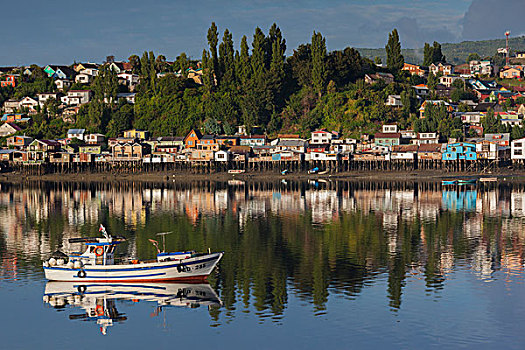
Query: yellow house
[136, 134]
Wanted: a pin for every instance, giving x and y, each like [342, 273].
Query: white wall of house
[517, 149]
[321, 137]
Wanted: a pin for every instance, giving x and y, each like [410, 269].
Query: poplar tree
[243, 63]
[213, 40]
[319, 72]
[394, 58]
[226, 58]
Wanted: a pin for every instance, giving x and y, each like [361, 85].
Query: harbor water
[308, 264]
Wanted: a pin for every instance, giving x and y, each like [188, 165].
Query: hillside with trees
[455, 53]
[257, 85]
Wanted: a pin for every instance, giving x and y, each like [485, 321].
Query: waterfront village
[249, 147]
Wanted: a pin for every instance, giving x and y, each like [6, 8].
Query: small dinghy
[97, 264]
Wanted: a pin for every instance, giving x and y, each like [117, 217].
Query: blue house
[460, 151]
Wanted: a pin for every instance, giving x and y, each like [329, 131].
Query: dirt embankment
[256, 176]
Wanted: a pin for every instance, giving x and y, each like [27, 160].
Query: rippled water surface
[331, 264]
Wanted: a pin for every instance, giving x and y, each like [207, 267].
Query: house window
[190, 143]
[518, 152]
[517, 144]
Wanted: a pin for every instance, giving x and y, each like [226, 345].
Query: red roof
[387, 135]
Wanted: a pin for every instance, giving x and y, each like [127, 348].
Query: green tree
[226, 59]
[490, 122]
[319, 71]
[394, 58]
[474, 56]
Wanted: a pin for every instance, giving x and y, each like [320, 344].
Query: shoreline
[423, 175]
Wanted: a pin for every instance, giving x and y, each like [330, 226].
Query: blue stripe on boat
[132, 276]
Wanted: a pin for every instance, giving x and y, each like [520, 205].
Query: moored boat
[98, 264]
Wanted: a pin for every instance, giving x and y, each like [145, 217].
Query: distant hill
[455, 53]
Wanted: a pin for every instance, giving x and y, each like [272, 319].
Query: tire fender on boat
[81, 289]
[180, 268]
[81, 274]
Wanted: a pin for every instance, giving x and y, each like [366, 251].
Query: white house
[444, 68]
[480, 67]
[448, 80]
[77, 97]
[43, 97]
[7, 129]
[83, 78]
[128, 79]
[425, 138]
[517, 149]
[222, 156]
[94, 138]
[394, 101]
[389, 128]
[321, 137]
[11, 106]
[344, 145]
[90, 71]
[63, 84]
[76, 133]
[473, 118]
[29, 103]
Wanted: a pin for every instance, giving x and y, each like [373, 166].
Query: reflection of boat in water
[460, 182]
[467, 181]
[99, 300]
[488, 179]
[449, 182]
[97, 264]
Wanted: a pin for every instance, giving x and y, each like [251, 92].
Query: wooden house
[191, 140]
[130, 151]
[460, 151]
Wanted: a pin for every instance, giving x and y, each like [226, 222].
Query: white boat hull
[191, 269]
[173, 294]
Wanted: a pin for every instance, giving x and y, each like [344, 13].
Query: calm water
[307, 265]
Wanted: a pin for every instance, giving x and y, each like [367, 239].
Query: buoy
[99, 251]
[52, 262]
[60, 262]
[77, 264]
[70, 264]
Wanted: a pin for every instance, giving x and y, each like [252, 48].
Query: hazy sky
[60, 31]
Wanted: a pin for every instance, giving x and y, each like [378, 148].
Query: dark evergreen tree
[394, 58]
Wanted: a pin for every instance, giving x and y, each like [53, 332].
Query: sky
[65, 31]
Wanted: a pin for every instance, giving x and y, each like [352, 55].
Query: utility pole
[507, 33]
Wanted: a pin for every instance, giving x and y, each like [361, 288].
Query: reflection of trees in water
[273, 254]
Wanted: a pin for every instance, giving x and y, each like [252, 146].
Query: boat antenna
[163, 234]
[103, 230]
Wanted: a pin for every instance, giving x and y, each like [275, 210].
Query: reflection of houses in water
[459, 200]
[99, 301]
[429, 204]
[323, 204]
[494, 205]
[517, 204]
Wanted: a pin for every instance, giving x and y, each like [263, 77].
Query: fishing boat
[98, 264]
[236, 171]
